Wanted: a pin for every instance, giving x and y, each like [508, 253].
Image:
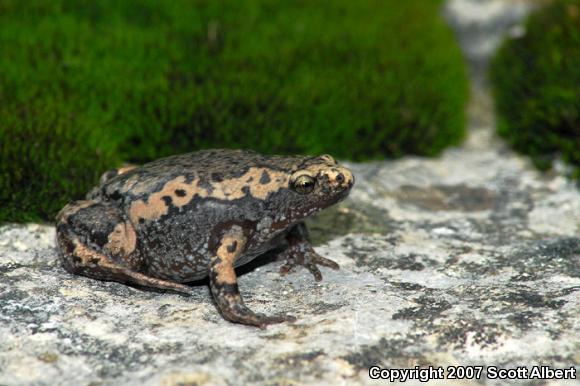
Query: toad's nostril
[340, 178]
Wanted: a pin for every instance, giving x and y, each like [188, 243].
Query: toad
[201, 214]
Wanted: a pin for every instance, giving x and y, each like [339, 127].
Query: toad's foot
[233, 309]
[300, 252]
[224, 284]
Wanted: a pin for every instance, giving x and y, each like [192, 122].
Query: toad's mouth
[336, 196]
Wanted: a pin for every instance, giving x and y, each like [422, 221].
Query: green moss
[86, 85]
[536, 81]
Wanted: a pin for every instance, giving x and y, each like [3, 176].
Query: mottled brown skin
[190, 216]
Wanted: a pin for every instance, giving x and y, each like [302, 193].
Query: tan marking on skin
[332, 171]
[225, 268]
[314, 170]
[90, 257]
[72, 208]
[328, 158]
[331, 174]
[155, 207]
[190, 191]
[123, 240]
[232, 188]
[126, 168]
[87, 255]
[228, 189]
[150, 210]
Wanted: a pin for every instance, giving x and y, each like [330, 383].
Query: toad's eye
[304, 184]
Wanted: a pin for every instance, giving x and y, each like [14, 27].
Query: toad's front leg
[224, 283]
[300, 252]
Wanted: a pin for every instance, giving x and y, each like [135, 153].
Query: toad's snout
[340, 178]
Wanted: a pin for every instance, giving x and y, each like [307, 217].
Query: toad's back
[177, 204]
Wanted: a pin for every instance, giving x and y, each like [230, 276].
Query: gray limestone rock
[469, 259]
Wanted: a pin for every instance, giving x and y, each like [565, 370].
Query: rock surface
[472, 258]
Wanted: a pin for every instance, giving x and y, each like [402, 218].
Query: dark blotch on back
[217, 177]
[180, 193]
[265, 178]
[115, 195]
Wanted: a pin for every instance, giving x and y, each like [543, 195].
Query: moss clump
[536, 80]
[40, 170]
[86, 85]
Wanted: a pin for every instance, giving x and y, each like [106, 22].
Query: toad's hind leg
[224, 284]
[94, 240]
